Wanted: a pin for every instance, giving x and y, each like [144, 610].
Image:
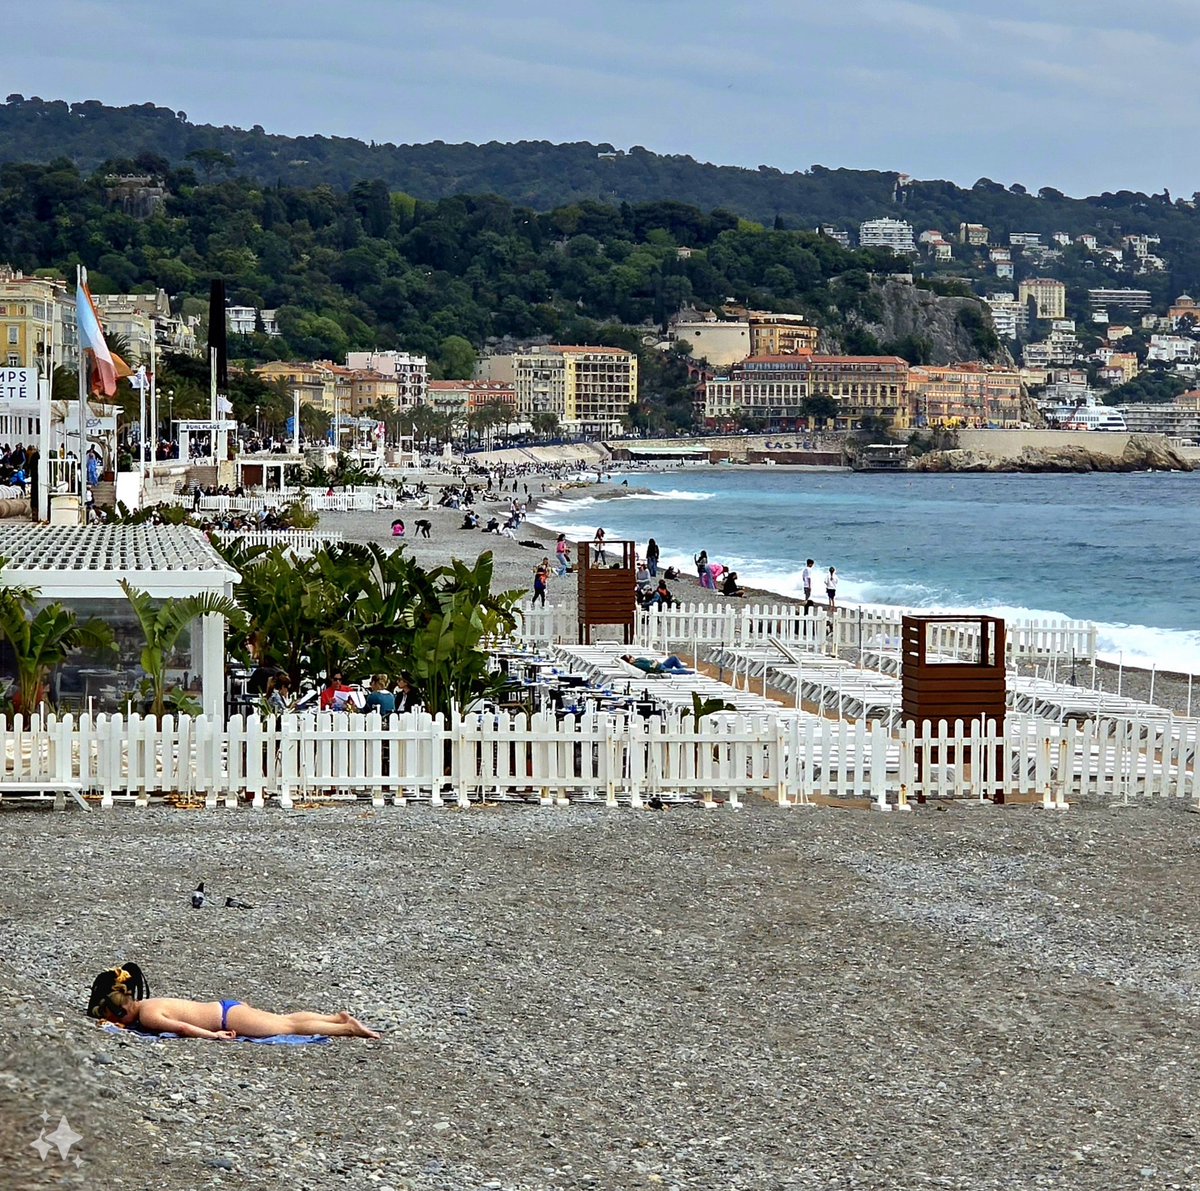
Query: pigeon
[232, 903]
[198, 897]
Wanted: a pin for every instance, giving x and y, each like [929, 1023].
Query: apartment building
[321, 384]
[1025, 239]
[974, 234]
[965, 395]
[245, 320]
[1049, 296]
[1170, 349]
[371, 391]
[461, 398]
[836, 234]
[1008, 315]
[37, 322]
[1125, 299]
[589, 388]
[411, 372]
[1179, 418]
[779, 334]
[775, 390]
[895, 234]
[772, 389]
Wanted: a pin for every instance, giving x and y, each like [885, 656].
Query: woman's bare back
[161, 1013]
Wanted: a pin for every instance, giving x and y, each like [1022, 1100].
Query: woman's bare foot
[360, 1031]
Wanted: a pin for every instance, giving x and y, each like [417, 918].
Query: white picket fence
[596, 758]
[366, 499]
[853, 628]
[300, 543]
[737, 624]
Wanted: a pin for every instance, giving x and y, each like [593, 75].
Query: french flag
[91, 338]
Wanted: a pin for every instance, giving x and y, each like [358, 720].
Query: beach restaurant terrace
[81, 567]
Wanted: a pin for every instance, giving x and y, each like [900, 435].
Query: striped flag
[91, 338]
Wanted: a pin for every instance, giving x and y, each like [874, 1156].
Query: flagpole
[80, 466]
[142, 429]
[212, 402]
[153, 394]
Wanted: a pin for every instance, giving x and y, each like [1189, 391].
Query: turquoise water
[1116, 549]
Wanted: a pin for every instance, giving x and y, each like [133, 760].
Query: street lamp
[257, 427]
[170, 415]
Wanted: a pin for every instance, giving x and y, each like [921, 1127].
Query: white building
[1171, 348]
[410, 372]
[1025, 239]
[895, 234]
[244, 320]
[1008, 315]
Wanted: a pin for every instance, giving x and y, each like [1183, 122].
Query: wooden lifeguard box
[966, 683]
[607, 589]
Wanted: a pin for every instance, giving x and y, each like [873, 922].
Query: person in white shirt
[806, 578]
[831, 582]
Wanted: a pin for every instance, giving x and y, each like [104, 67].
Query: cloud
[940, 88]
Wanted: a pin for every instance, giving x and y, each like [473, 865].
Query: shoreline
[514, 565]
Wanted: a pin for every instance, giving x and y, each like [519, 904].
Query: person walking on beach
[806, 579]
[652, 558]
[540, 578]
[562, 548]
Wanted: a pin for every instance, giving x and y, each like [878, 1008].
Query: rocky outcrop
[1142, 453]
[954, 329]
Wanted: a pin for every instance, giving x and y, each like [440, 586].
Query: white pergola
[81, 564]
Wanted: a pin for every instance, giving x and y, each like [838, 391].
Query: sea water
[1120, 550]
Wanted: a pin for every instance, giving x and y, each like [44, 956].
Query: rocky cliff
[952, 330]
[1142, 453]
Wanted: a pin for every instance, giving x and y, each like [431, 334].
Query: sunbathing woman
[122, 996]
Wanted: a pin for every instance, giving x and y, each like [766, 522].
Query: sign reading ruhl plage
[18, 384]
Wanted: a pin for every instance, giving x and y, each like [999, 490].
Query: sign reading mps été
[18, 384]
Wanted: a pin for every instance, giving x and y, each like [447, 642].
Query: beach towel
[273, 1040]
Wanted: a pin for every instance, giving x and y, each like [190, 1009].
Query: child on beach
[831, 582]
[562, 549]
[122, 996]
[540, 578]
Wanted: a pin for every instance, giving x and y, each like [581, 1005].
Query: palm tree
[162, 625]
[42, 641]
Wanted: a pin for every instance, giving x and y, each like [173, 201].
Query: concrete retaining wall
[1007, 444]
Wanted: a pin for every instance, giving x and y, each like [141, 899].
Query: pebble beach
[967, 996]
[972, 997]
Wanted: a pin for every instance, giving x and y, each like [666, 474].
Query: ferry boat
[1090, 416]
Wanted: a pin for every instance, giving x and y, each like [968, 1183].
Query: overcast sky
[1083, 95]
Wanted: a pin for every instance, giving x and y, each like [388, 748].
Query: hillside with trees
[543, 176]
[369, 268]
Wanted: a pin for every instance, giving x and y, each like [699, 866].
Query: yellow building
[1049, 296]
[316, 384]
[37, 322]
[777, 390]
[370, 390]
[965, 395]
[589, 388]
[863, 386]
[780, 334]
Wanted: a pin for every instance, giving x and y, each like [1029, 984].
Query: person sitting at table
[670, 665]
[335, 695]
[279, 694]
[380, 697]
[408, 696]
